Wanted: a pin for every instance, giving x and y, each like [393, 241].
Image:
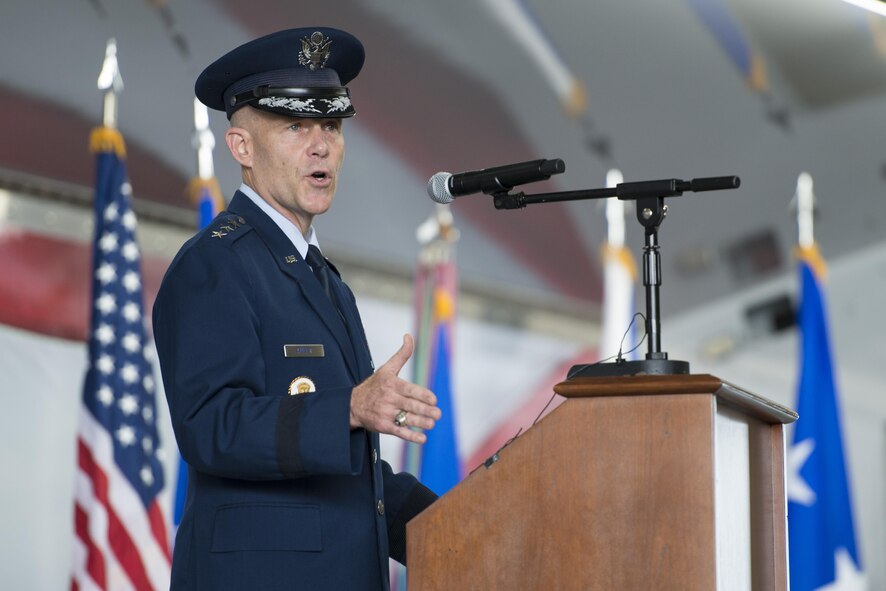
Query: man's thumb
[399, 359]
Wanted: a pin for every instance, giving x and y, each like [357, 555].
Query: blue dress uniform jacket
[282, 494]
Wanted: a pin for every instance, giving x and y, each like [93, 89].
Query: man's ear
[239, 143]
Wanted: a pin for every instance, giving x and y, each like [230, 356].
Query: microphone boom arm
[651, 211]
[624, 191]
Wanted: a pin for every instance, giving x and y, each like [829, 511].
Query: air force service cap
[297, 72]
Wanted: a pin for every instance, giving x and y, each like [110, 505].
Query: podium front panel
[604, 493]
[681, 487]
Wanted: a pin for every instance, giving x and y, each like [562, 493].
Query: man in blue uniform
[274, 401]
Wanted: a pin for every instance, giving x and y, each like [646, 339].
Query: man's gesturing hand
[377, 400]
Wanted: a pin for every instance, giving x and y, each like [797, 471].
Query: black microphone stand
[651, 212]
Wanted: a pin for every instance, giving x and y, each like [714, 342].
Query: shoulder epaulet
[226, 224]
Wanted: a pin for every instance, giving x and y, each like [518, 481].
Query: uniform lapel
[354, 324]
[292, 264]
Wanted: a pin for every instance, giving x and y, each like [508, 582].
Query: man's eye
[331, 126]
[295, 126]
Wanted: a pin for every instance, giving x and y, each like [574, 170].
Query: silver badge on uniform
[303, 351]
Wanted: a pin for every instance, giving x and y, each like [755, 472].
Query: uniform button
[374, 456]
[381, 507]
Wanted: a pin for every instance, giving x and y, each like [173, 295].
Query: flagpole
[110, 81]
[119, 519]
[619, 277]
[804, 199]
[204, 141]
[805, 210]
[615, 212]
[203, 189]
[107, 138]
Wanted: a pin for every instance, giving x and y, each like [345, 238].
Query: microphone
[444, 187]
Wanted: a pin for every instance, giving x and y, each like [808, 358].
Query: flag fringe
[575, 103]
[196, 187]
[107, 139]
[444, 307]
[622, 256]
[756, 77]
[812, 257]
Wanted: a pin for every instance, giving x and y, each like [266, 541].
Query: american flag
[120, 528]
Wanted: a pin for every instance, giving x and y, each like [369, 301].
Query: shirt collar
[292, 232]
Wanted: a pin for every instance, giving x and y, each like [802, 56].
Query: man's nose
[318, 144]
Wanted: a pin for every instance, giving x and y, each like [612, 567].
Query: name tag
[303, 351]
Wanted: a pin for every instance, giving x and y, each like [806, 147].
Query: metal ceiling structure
[450, 87]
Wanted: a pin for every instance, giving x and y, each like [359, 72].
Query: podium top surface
[652, 385]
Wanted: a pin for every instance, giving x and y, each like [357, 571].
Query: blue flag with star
[823, 552]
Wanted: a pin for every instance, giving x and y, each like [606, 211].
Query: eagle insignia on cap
[314, 51]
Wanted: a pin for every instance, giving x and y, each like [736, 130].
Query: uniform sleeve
[207, 335]
[405, 497]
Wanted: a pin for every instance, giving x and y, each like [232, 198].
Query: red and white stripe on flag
[118, 544]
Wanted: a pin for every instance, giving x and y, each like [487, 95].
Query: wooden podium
[640, 482]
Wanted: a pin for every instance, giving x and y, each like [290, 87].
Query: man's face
[295, 164]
